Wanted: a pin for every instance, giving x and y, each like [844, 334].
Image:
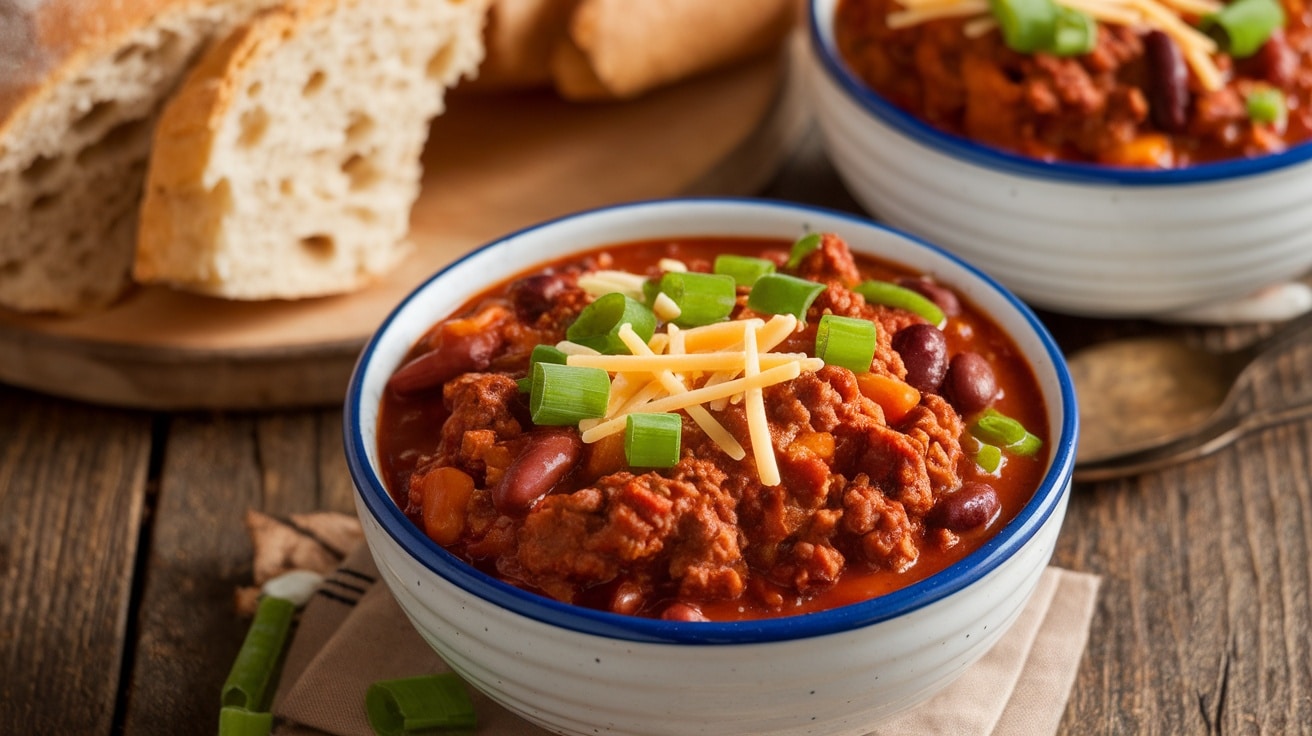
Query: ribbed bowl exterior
[577, 683]
[576, 671]
[1060, 238]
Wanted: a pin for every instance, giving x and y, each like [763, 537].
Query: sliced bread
[287, 163]
[75, 123]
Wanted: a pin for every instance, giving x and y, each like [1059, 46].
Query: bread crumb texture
[74, 146]
[287, 164]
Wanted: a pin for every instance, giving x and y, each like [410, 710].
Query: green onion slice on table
[419, 705]
[248, 690]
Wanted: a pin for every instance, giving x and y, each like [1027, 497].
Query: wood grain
[72, 490]
[1204, 619]
[214, 468]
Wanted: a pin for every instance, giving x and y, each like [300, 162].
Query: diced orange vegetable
[895, 396]
[1151, 150]
[605, 456]
[820, 444]
[445, 494]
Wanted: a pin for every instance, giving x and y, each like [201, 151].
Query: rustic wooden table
[121, 543]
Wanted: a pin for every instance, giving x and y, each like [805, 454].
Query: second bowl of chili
[1066, 174]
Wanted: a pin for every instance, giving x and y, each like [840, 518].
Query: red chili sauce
[873, 496]
[1134, 99]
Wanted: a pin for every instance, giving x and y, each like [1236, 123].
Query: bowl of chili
[1158, 164]
[710, 466]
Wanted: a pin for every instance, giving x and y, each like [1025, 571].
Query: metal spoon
[1217, 435]
[1142, 393]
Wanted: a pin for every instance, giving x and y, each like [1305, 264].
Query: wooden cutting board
[494, 164]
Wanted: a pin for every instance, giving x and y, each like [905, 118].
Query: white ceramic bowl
[1076, 238]
[579, 671]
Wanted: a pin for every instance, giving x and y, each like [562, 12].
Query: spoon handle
[1196, 447]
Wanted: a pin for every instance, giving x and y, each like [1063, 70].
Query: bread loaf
[288, 161]
[76, 114]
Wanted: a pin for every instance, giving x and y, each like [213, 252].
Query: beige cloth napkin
[353, 633]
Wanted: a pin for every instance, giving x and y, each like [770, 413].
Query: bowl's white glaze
[578, 671]
[1075, 238]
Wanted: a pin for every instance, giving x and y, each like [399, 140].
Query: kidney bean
[682, 612]
[971, 506]
[534, 295]
[924, 351]
[452, 354]
[1168, 78]
[970, 384]
[1276, 60]
[547, 457]
[628, 598]
[945, 298]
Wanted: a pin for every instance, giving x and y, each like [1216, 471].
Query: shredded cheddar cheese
[691, 369]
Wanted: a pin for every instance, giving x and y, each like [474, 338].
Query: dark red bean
[971, 506]
[628, 598]
[1168, 82]
[970, 384]
[534, 295]
[451, 355]
[682, 612]
[945, 298]
[547, 457]
[924, 351]
[1276, 60]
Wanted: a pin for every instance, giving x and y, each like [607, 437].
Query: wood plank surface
[72, 491]
[215, 467]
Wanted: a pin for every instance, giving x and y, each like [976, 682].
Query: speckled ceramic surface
[1076, 238]
[579, 671]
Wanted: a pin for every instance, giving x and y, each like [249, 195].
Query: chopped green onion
[235, 721]
[598, 323]
[779, 293]
[994, 427]
[1244, 25]
[653, 440]
[988, 457]
[1026, 25]
[416, 705]
[997, 428]
[703, 298]
[541, 354]
[846, 341]
[1027, 446]
[890, 294]
[1266, 105]
[252, 673]
[805, 246]
[1076, 33]
[745, 270]
[561, 395]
